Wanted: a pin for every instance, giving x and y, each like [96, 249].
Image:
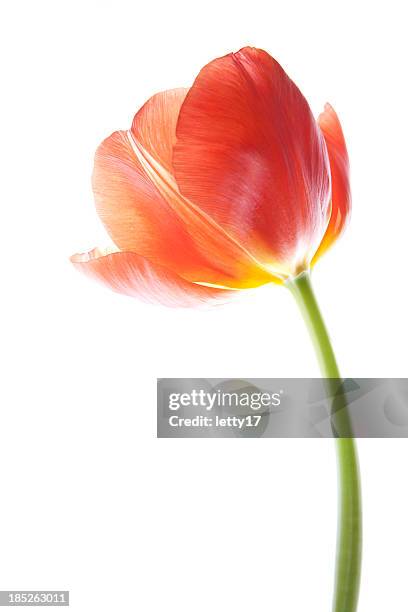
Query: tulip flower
[226, 186]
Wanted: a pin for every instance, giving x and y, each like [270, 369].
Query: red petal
[250, 154]
[144, 213]
[135, 276]
[339, 167]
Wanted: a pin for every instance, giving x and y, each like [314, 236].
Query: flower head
[228, 185]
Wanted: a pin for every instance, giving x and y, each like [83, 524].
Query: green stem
[348, 559]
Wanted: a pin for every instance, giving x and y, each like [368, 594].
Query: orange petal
[154, 126]
[135, 276]
[138, 201]
[250, 154]
[135, 214]
[339, 167]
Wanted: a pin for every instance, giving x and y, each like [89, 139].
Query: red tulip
[227, 185]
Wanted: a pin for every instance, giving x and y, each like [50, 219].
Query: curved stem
[349, 534]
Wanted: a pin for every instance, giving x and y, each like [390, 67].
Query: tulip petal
[135, 276]
[133, 211]
[154, 126]
[250, 154]
[139, 204]
[339, 167]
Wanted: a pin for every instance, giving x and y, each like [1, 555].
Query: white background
[91, 501]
